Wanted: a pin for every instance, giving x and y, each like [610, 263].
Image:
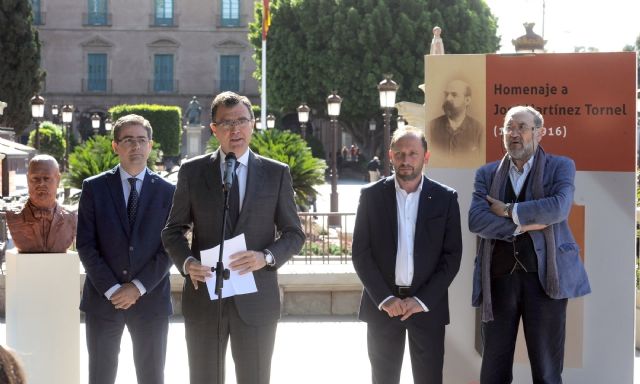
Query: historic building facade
[101, 53]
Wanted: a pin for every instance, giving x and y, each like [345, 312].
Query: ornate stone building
[100, 53]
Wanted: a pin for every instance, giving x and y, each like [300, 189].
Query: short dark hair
[229, 99]
[128, 120]
[406, 131]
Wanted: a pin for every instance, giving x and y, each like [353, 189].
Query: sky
[606, 25]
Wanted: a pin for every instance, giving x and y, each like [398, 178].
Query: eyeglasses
[227, 125]
[132, 142]
[520, 129]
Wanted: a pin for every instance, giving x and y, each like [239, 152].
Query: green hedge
[52, 140]
[165, 120]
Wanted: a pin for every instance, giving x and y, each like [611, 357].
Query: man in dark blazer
[268, 218]
[120, 217]
[528, 263]
[407, 247]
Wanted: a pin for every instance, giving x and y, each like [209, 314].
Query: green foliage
[289, 148]
[323, 45]
[95, 156]
[20, 73]
[165, 121]
[52, 140]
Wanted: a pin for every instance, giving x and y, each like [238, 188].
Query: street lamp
[37, 112]
[387, 89]
[3, 105]
[271, 121]
[108, 125]
[67, 117]
[401, 122]
[333, 110]
[54, 112]
[303, 117]
[258, 124]
[95, 123]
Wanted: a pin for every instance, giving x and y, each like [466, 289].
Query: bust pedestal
[42, 315]
[195, 143]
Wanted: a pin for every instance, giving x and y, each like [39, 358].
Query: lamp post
[333, 110]
[95, 123]
[271, 121]
[303, 117]
[387, 89]
[54, 113]
[258, 124]
[37, 112]
[3, 105]
[67, 117]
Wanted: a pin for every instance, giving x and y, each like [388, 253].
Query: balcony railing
[162, 86]
[96, 85]
[325, 244]
[92, 19]
[159, 21]
[240, 22]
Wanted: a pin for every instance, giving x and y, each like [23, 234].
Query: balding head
[43, 179]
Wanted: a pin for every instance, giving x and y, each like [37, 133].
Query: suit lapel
[391, 206]
[423, 206]
[255, 176]
[115, 188]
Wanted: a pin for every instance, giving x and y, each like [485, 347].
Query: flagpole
[263, 103]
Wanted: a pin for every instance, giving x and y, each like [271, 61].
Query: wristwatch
[268, 257]
[507, 209]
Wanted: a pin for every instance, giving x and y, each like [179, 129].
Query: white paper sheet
[237, 284]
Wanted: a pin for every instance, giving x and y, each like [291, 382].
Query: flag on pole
[266, 18]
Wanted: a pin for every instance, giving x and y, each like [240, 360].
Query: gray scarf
[498, 185]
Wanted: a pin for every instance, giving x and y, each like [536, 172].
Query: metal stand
[221, 274]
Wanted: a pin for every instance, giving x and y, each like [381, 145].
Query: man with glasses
[528, 263]
[265, 213]
[121, 214]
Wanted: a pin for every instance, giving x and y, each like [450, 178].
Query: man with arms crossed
[528, 262]
[407, 247]
[120, 217]
[268, 218]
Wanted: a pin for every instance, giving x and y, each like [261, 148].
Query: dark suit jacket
[268, 209]
[112, 253]
[437, 248]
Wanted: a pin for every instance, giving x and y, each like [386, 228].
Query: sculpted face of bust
[43, 178]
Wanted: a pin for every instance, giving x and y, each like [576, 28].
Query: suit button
[131, 248]
[124, 272]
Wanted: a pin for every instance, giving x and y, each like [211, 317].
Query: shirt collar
[527, 166]
[124, 175]
[244, 159]
[399, 188]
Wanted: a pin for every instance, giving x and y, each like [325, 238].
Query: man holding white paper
[265, 213]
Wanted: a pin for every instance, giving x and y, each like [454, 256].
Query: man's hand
[197, 272]
[247, 261]
[125, 296]
[497, 206]
[393, 307]
[410, 306]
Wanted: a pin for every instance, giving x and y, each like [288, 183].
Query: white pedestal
[194, 140]
[42, 315]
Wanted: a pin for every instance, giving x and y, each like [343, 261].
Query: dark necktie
[132, 204]
[234, 200]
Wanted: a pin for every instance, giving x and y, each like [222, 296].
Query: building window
[163, 73]
[230, 13]
[97, 72]
[37, 12]
[164, 13]
[97, 12]
[230, 73]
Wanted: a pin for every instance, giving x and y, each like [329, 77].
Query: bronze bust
[42, 226]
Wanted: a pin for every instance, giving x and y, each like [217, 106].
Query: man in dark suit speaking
[266, 214]
[120, 217]
[407, 247]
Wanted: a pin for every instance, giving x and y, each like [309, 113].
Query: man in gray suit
[267, 216]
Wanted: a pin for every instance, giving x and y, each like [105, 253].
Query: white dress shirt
[517, 182]
[126, 190]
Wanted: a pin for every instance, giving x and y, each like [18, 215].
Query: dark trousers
[251, 346]
[386, 340]
[521, 295]
[149, 340]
